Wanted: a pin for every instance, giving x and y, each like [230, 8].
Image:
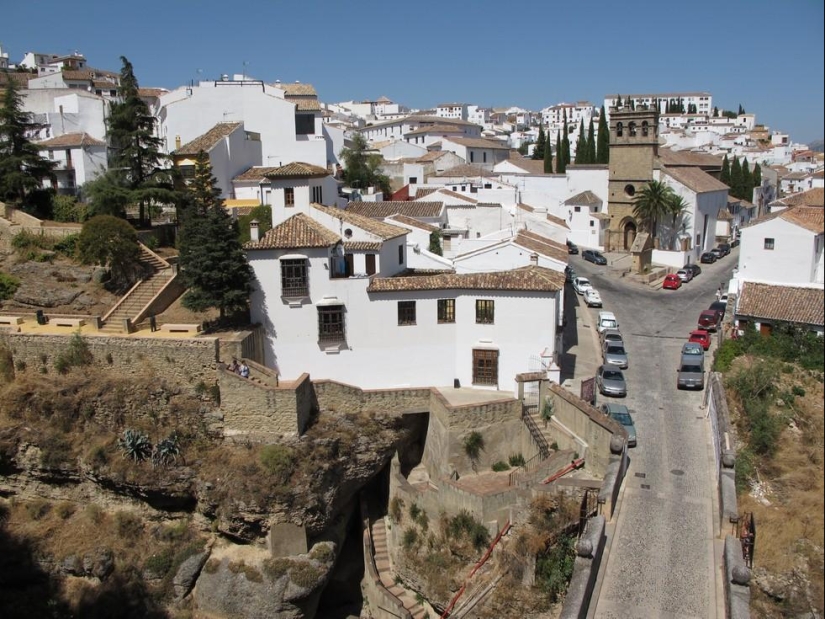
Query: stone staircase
[382, 564]
[131, 304]
[536, 425]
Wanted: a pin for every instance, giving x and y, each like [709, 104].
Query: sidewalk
[581, 355]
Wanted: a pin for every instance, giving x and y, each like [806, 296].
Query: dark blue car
[593, 256]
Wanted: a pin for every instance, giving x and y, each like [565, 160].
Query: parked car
[569, 274]
[592, 298]
[593, 256]
[691, 372]
[610, 381]
[700, 336]
[607, 320]
[685, 275]
[615, 354]
[580, 284]
[619, 412]
[718, 253]
[725, 247]
[612, 336]
[672, 282]
[720, 306]
[572, 248]
[707, 258]
[693, 267]
[710, 319]
[692, 348]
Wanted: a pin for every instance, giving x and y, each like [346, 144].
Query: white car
[685, 275]
[592, 298]
[580, 284]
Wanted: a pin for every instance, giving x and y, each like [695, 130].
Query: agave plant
[135, 445]
[166, 451]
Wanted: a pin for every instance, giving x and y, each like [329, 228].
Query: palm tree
[652, 204]
[677, 209]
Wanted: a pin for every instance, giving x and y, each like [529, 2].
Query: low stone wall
[737, 581]
[592, 426]
[337, 396]
[181, 361]
[724, 451]
[589, 552]
[242, 345]
[612, 483]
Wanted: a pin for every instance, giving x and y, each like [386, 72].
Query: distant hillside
[817, 145]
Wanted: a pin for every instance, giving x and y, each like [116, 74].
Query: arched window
[619, 130]
[631, 127]
[644, 128]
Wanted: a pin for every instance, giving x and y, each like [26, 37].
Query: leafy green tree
[756, 177]
[361, 169]
[560, 165]
[435, 243]
[591, 143]
[541, 143]
[107, 194]
[213, 266]
[135, 158]
[548, 158]
[736, 178]
[111, 242]
[581, 144]
[603, 145]
[652, 204]
[523, 148]
[724, 176]
[22, 169]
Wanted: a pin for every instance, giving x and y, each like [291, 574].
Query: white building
[478, 115]
[399, 128]
[455, 111]
[701, 101]
[59, 111]
[78, 158]
[477, 151]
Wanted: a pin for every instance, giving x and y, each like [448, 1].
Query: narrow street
[661, 548]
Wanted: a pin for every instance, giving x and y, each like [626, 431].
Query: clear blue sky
[765, 54]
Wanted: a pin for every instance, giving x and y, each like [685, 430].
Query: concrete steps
[137, 300]
[384, 567]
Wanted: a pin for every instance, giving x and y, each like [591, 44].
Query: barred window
[294, 278]
[485, 311]
[289, 196]
[485, 367]
[406, 312]
[446, 310]
[331, 324]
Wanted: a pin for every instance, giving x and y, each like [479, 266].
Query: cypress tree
[22, 169]
[724, 176]
[548, 158]
[581, 144]
[591, 143]
[566, 141]
[213, 266]
[756, 177]
[561, 167]
[619, 102]
[747, 182]
[736, 178]
[715, 112]
[603, 145]
[538, 151]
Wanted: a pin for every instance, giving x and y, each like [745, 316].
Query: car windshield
[613, 375]
[691, 369]
[694, 349]
[615, 350]
[610, 324]
[584, 282]
[622, 418]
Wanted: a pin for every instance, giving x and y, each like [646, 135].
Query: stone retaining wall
[589, 551]
[337, 396]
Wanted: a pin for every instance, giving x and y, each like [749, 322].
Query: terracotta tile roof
[362, 245]
[299, 231]
[421, 119]
[432, 156]
[403, 219]
[784, 303]
[696, 179]
[297, 90]
[557, 220]
[306, 105]
[531, 166]
[740, 201]
[525, 207]
[468, 171]
[21, 80]
[208, 140]
[601, 216]
[811, 218]
[380, 229]
[382, 210]
[542, 245]
[679, 158]
[812, 197]
[255, 173]
[151, 92]
[455, 194]
[425, 191]
[298, 169]
[69, 140]
[724, 215]
[528, 279]
[585, 198]
[479, 143]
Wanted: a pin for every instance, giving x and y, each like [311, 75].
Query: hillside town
[468, 288]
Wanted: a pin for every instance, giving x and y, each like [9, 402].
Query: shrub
[68, 245]
[135, 445]
[159, 563]
[798, 391]
[20, 365]
[415, 511]
[745, 470]
[275, 568]
[463, 525]
[94, 513]
[473, 445]
[278, 461]
[249, 572]
[555, 567]
[765, 427]
[6, 365]
[55, 451]
[396, 509]
[500, 466]
[64, 510]
[76, 354]
[212, 565]
[305, 575]
[111, 242]
[548, 410]
[166, 451]
[67, 209]
[410, 538]
[516, 460]
[26, 241]
[128, 525]
[8, 286]
[322, 553]
[38, 508]
[726, 353]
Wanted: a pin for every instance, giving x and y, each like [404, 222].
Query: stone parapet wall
[341, 397]
[185, 361]
[589, 552]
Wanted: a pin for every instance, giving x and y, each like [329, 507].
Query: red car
[710, 319]
[700, 336]
[672, 282]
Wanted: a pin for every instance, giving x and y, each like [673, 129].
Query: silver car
[619, 412]
[613, 336]
[615, 354]
[610, 381]
[691, 372]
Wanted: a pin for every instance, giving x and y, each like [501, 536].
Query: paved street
[661, 549]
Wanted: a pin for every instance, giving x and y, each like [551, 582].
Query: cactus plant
[135, 445]
[166, 451]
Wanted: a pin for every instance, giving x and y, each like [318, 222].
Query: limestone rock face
[187, 574]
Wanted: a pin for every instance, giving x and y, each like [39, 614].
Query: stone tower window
[644, 128]
[619, 130]
[630, 190]
[631, 128]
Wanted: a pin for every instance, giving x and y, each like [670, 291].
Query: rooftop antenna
[243, 73]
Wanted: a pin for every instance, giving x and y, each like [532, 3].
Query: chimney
[254, 231]
[177, 142]
[534, 259]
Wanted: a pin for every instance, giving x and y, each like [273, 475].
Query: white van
[607, 320]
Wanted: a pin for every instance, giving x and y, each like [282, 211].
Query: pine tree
[22, 169]
[724, 176]
[548, 158]
[715, 112]
[134, 149]
[538, 151]
[581, 144]
[213, 266]
[591, 143]
[756, 177]
[560, 165]
[603, 145]
[747, 182]
[736, 178]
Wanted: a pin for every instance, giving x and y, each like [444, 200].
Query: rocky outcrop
[187, 574]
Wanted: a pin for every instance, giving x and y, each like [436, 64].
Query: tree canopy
[111, 242]
[541, 144]
[653, 203]
[362, 169]
[603, 144]
[213, 265]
